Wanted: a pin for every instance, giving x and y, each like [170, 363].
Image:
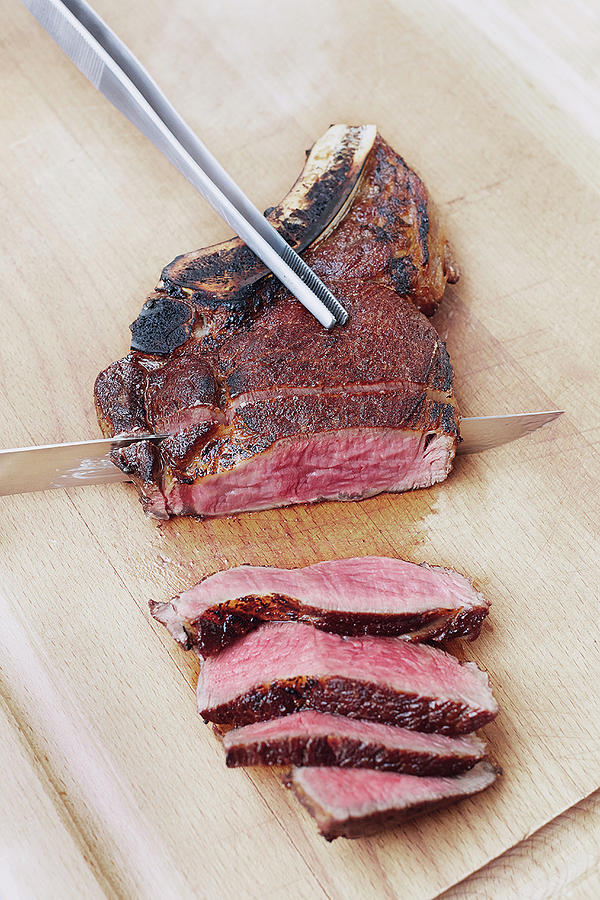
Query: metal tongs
[115, 72]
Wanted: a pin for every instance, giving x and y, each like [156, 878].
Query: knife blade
[50, 466]
[480, 433]
[78, 463]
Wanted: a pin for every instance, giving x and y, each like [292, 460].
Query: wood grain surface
[112, 784]
[560, 860]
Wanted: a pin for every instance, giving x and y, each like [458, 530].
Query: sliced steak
[312, 738]
[284, 667]
[368, 595]
[267, 407]
[356, 802]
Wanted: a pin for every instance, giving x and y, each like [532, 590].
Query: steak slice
[312, 738]
[265, 407]
[284, 667]
[368, 595]
[353, 803]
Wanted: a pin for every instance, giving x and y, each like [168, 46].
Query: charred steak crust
[218, 330]
[311, 739]
[256, 427]
[281, 350]
[333, 750]
[349, 697]
[189, 380]
[222, 625]
[366, 825]
[163, 324]
[142, 461]
[390, 220]
[134, 395]
[375, 822]
[370, 595]
[222, 274]
[119, 395]
[281, 418]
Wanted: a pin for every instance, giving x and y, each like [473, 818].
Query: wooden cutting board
[111, 783]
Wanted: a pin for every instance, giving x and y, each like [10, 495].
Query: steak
[266, 408]
[356, 802]
[369, 595]
[284, 667]
[312, 738]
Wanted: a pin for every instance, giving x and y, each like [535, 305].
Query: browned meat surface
[356, 802]
[378, 728]
[266, 407]
[366, 595]
[285, 667]
[312, 738]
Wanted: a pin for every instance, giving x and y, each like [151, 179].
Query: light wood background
[111, 783]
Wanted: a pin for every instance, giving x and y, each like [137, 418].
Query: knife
[113, 69]
[79, 463]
